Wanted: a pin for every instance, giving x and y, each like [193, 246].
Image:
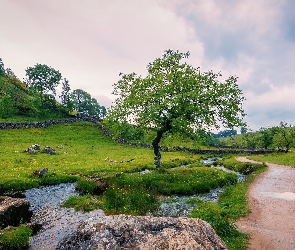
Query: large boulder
[143, 232]
[13, 211]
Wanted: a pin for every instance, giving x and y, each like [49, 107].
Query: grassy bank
[287, 159]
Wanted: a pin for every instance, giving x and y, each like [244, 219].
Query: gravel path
[271, 199]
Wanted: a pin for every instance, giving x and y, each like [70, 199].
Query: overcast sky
[91, 41]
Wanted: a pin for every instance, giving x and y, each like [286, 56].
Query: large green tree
[43, 78]
[175, 96]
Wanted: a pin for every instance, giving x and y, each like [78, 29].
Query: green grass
[84, 203]
[85, 152]
[287, 159]
[14, 238]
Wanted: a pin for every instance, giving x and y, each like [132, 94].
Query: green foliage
[280, 137]
[65, 96]
[179, 94]
[241, 167]
[176, 97]
[232, 204]
[211, 213]
[85, 151]
[225, 133]
[177, 181]
[2, 69]
[284, 137]
[84, 103]
[14, 238]
[125, 130]
[82, 203]
[42, 78]
[85, 186]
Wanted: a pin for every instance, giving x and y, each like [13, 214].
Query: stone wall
[85, 117]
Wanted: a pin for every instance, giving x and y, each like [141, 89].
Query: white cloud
[90, 42]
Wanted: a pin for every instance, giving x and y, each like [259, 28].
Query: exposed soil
[271, 199]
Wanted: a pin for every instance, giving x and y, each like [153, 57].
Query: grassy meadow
[86, 154]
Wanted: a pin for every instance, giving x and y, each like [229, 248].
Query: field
[85, 154]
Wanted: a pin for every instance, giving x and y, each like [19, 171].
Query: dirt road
[271, 199]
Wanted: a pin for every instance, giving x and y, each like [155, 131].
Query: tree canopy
[83, 102]
[43, 78]
[175, 96]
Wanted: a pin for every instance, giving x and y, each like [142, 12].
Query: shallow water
[56, 222]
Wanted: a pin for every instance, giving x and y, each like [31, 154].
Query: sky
[91, 42]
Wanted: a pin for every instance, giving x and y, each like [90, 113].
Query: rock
[36, 146]
[13, 211]
[143, 232]
[40, 172]
[30, 150]
[49, 150]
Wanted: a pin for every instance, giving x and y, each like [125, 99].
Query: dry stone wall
[85, 117]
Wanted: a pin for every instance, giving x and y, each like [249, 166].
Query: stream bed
[56, 222]
[59, 222]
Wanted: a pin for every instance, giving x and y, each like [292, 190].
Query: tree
[266, 136]
[175, 96]
[2, 69]
[80, 99]
[284, 137]
[43, 78]
[65, 95]
[244, 130]
[83, 102]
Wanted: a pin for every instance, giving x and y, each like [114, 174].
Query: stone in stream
[143, 232]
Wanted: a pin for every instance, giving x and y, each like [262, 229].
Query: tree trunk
[157, 153]
[155, 143]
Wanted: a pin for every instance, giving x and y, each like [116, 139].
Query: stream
[180, 205]
[56, 222]
[59, 222]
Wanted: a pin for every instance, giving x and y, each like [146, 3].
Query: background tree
[175, 96]
[83, 102]
[284, 137]
[2, 69]
[65, 96]
[244, 130]
[43, 78]
[266, 137]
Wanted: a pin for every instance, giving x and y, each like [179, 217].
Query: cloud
[90, 42]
